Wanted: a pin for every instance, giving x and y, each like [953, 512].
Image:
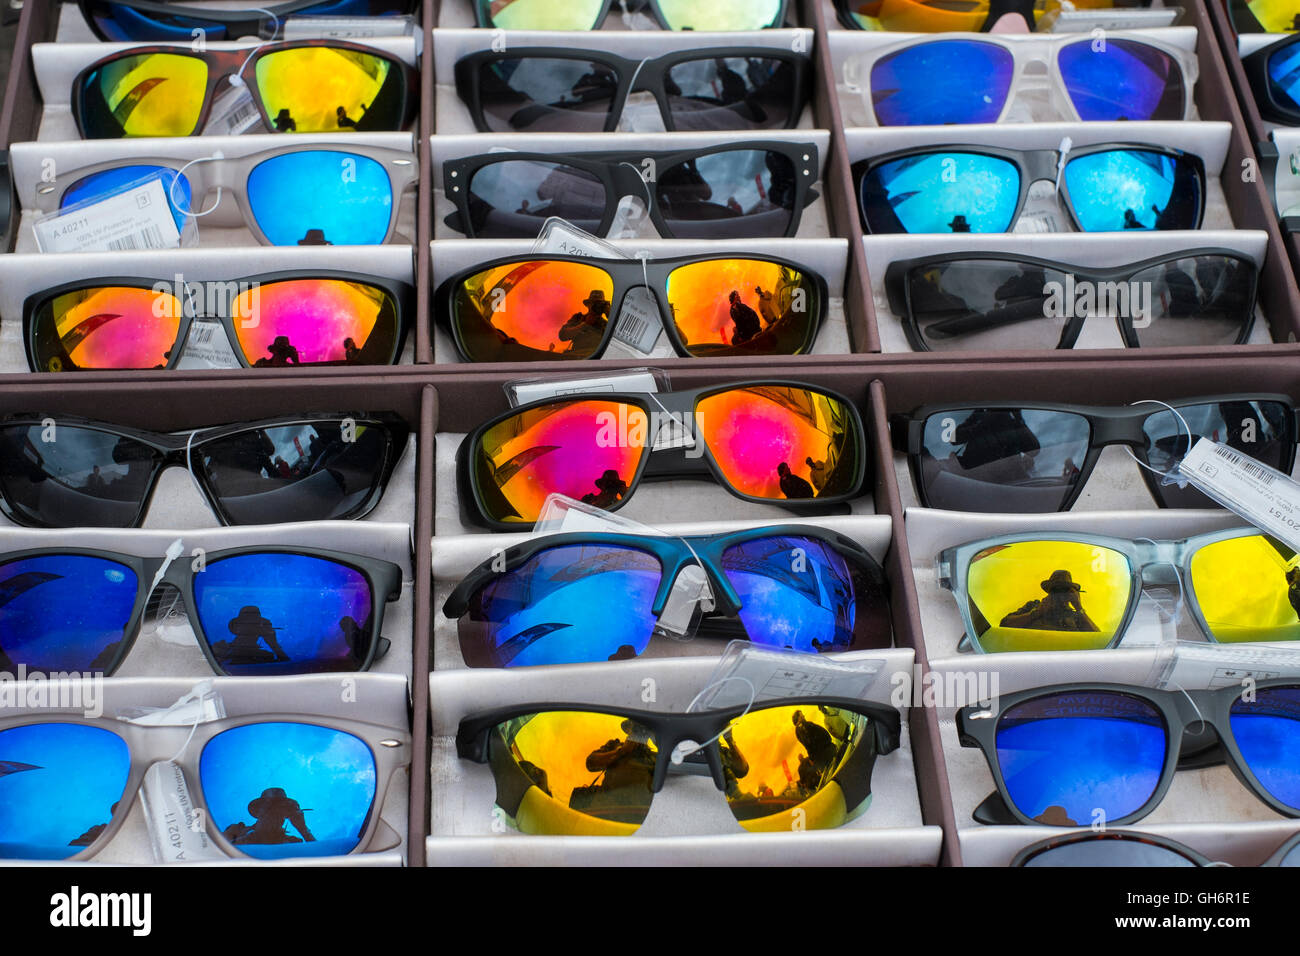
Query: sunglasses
[1031, 459]
[1000, 301]
[72, 472]
[558, 308]
[1264, 16]
[288, 196]
[966, 16]
[308, 86]
[790, 586]
[592, 771]
[271, 321]
[1127, 848]
[723, 15]
[769, 442]
[152, 21]
[1063, 755]
[1274, 75]
[925, 82]
[256, 611]
[270, 787]
[1051, 591]
[554, 89]
[744, 190]
[1105, 188]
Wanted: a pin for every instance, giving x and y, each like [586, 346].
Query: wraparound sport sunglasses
[1061, 591]
[1105, 188]
[70, 472]
[559, 89]
[256, 611]
[557, 308]
[270, 786]
[271, 321]
[547, 601]
[1274, 75]
[592, 770]
[997, 301]
[1078, 754]
[721, 15]
[738, 190]
[1130, 848]
[306, 86]
[1034, 458]
[152, 21]
[772, 442]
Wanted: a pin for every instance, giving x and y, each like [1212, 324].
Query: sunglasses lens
[544, 95]
[752, 92]
[1109, 850]
[551, 609]
[119, 23]
[533, 310]
[985, 304]
[1123, 80]
[285, 614]
[316, 322]
[941, 192]
[280, 790]
[64, 612]
[1134, 189]
[743, 307]
[318, 89]
[573, 773]
[720, 15]
[780, 442]
[1200, 300]
[320, 195]
[942, 81]
[148, 94]
[511, 199]
[801, 594]
[734, 194]
[1009, 460]
[59, 786]
[1254, 602]
[539, 14]
[1266, 730]
[1069, 758]
[911, 16]
[1283, 71]
[105, 327]
[100, 185]
[1259, 430]
[1047, 596]
[787, 768]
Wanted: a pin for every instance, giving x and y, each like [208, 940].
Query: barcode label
[201, 333]
[234, 112]
[1266, 498]
[1249, 466]
[150, 237]
[135, 219]
[638, 324]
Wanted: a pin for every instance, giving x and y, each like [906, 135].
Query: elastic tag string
[1200, 719]
[238, 78]
[174, 551]
[1184, 427]
[1064, 150]
[171, 190]
[199, 692]
[681, 751]
[189, 466]
[1178, 578]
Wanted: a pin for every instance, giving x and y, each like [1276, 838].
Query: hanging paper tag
[690, 598]
[139, 217]
[777, 674]
[207, 346]
[347, 28]
[177, 828]
[234, 112]
[1085, 21]
[629, 380]
[639, 326]
[1264, 496]
[561, 237]
[1211, 666]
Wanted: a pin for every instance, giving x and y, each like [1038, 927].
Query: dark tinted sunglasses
[1037, 458]
[1129, 848]
[789, 586]
[151, 21]
[984, 189]
[721, 15]
[742, 190]
[71, 472]
[554, 89]
[1274, 75]
[996, 301]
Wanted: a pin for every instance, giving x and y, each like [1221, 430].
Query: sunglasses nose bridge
[1116, 431]
[1040, 165]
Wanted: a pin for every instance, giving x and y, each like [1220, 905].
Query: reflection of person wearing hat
[271, 810]
[281, 352]
[1060, 610]
[627, 764]
[747, 324]
[959, 224]
[612, 489]
[249, 628]
[586, 329]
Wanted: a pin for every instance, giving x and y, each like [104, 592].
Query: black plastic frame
[1256, 68]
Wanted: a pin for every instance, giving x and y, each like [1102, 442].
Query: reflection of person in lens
[809, 778]
[994, 435]
[959, 224]
[1293, 589]
[280, 353]
[1183, 299]
[767, 306]
[1060, 610]
[94, 833]
[345, 121]
[355, 636]
[792, 486]
[747, 324]
[1131, 220]
[350, 351]
[734, 764]
[819, 744]
[250, 628]
[624, 764]
[271, 811]
[612, 489]
[284, 123]
[537, 775]
[584, 330]
[817, 472]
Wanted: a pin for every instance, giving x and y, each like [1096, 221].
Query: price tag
[639, 325]
[233, 113]
[1085, 21]
[347, 28]
[777, 674]
[521, 393]
[138, 218]
[1262, 495]
[207, 347]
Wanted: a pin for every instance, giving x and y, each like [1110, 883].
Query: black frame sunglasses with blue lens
[971, 188]
[1274, 75]
[152, 21]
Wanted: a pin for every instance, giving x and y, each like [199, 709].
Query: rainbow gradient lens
[779, 442]
[105, 327]
[590, 450]
[315, 322]
[320, 89]
[743, 306]
[1047, 596]
[720, 15]
[1248, 589]
[573, 772]
[539, 14]
[540, 309]
[148, 94]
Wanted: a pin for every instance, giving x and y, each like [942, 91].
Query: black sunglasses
[557, 89]
[71, 472]
[669, 14]
[739, 190]
[999, 301]
[1036, 458]
[255, 611]
[1272, 75]
[1130, 848]
[557, 308]
[152, 21]
[1080, 754]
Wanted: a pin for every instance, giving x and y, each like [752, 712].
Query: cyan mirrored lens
[119, 22]
[555, 609]
[1122, 80]
[1283, 70]
[1134, 189]
[942, 81]
[280, 790]
[64, 612]
[101, 185]
[321, 196]
[285, 614]
[59, 787]
[941, 192]
[1109, 850]
[1074, 759]
[1267, 732]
